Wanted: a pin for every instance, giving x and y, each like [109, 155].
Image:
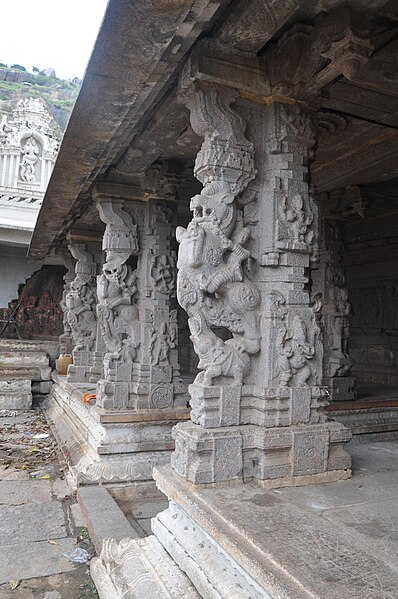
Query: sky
[50, 33]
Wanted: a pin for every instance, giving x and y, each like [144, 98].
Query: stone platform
[109, 447]
[25, 372]
[374, 410]
[241, 541]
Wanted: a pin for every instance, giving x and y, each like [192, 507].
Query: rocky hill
[59, 95]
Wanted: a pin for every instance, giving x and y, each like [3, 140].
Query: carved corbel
[305, 59]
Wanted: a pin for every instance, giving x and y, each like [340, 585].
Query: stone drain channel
[40, 520]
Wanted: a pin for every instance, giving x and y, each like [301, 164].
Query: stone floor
[343, 524]
[39, 517]
[330, 541]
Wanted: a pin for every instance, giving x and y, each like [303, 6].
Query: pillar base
[273, 457]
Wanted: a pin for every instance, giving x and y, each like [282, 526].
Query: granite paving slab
[31, 560]
[375, 524]
[264, 532]
[372, 487]
[18, 492]
[31, 522]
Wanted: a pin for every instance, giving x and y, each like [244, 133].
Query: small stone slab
[31, 522]
[104, 518]
[18, 492]
[21, 561]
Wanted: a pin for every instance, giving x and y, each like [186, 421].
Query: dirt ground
[40, 520]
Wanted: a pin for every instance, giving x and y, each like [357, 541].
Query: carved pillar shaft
[80, 302]
[137, 310]
[329, 284]
[116, 310]
[156, 371]
[66, 339]
[243, 265]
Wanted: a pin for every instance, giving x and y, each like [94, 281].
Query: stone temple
[224, 200]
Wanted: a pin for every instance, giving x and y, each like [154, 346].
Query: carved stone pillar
[66, 339]
[116, 310]
[80, 302]
[329, 285]
[137, 309]
[156, 371]
[257, 405]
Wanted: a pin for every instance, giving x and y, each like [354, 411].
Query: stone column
[66, 339]
[329, 285]
[117, 310]
[137, 308]
[257, 405]
[80, 302]
[156, 372]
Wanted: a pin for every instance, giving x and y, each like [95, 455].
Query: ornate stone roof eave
[138, 51]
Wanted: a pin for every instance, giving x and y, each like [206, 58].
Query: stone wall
[371, 260]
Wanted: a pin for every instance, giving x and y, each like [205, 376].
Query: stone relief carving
[30, 156]
[307, 56]
[117, 287]
[295, 221]
[296, 349]
[65, 338]
[163, 273]
[81, 299]
[163, 339]
[213, 286]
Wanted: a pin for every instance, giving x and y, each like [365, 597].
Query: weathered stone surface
[287, 550]
[103, 517]
[31, 522]
[31, 560]
[143, 567]
[16, 492]
[15, 394]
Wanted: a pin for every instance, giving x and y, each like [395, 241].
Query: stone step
[104, 519]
